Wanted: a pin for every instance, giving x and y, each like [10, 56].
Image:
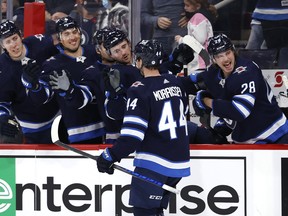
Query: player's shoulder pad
[244, 66]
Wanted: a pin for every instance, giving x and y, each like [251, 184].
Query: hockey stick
[198, 48]
[223, 4]
[285, 82]
[55, 140]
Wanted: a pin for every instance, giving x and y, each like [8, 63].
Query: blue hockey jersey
[13, 95]
[155, 126]
[246, 102]
[82, 122]
[92, 86]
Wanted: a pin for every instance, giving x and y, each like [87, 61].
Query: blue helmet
[100, 35]
[150, 51]
[114, 37]
[219, 43]
[65, 23]
[8, 28]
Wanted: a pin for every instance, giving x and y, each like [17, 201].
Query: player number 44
[168, 122]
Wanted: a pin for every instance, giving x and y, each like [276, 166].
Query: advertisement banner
[222, 182]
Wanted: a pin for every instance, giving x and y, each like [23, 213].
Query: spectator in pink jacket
[201, 16]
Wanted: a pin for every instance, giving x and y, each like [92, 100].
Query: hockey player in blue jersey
[59, 77]
[118, 47]
[35, 121]
[128, 75]
[155, 127]
[239, 95]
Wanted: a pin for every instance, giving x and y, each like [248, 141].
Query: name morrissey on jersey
[167, 93]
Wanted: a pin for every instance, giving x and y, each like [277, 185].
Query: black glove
[181, 55]
[9, 127]
[198, 80]
[105, 162]
[112, 81]
[31, 72]
[199, 106]
[221, 128]
[62, 82]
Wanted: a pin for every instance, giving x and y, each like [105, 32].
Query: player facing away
[239, 95]
[35, 121]
[155, 127]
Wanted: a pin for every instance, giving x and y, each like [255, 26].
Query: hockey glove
[105, 162]
[62, 82]
[198, 81]
[199, 106]
[30, 74]
[221, 128]
[112, 81]
[10, 131]
[181, 55]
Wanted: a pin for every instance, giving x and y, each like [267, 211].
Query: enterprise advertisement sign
[221, 183]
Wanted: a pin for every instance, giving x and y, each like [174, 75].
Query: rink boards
[234, 180]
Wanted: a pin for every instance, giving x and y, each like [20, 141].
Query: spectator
[60, 76]
[35, 121]
[4, 9]
[239, 95]
[56, 9]
[162, 151]
[200, 14]
[91, 16]
[167, 18]
[272, 17]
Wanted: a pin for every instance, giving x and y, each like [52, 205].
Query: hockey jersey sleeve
[243, 86]
[85, 91]
[134, 125]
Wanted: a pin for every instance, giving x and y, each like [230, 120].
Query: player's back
[162, 104]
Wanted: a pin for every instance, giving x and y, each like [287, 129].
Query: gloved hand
[197, 80]
[61, 81]
[199, 106]
[105, 162]
[181, 55]
[30, 74]
[112, 82]
[9, 127]
[221, 128]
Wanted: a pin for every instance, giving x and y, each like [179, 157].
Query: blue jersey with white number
[155, 126]
[246, 102]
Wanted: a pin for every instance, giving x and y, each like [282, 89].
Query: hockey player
[118, 79]
[35, 121]
[60, 76]
[238, 93]
[155, 127]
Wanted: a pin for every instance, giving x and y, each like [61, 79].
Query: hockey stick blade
[55, 140]
[198, 48]
[285, 82]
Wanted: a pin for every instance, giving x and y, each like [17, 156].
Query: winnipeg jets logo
[240, 69]
[137, 83]
[80, 59]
